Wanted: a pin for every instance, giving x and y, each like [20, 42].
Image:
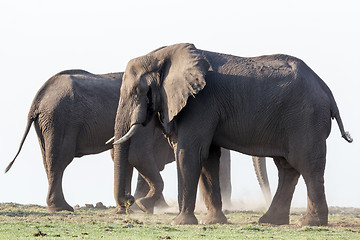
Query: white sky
[41, 38]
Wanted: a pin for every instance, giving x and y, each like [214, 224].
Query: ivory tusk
[110, 140]
[128, 135]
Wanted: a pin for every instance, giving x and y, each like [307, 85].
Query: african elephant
[268, 106]
[74, 114]
[71, 121]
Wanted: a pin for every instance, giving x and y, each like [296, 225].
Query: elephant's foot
[122, 210]
[184, 219]
[60, 207]
[214, 218]
[146, 204]
[311, 220]
[123, 204]
[274, 219]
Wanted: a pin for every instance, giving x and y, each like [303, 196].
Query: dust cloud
[236, 205]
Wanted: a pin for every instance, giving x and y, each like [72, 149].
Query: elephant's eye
[161, 74]
[149, 97]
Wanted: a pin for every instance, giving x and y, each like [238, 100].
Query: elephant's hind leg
[210, 188]
[57, 158]
[317, 209]
[279, 210]
[55, 198]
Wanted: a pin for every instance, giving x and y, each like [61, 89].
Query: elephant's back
[79, 87]
[95, 89]
[260, 67]
[274, 90]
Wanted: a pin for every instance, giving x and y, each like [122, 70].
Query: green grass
[34, 222]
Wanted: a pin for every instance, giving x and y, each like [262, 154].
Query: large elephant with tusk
[74, 114]
[269, 106]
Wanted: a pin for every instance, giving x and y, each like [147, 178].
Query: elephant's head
[160, 82]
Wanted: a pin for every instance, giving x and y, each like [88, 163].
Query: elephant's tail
[261, 174]
[336, 114]
[30, 120]
[334, 110]
[345, 135]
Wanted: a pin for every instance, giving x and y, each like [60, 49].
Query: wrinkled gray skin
[268, 106]
[74, 115]
[71, 120]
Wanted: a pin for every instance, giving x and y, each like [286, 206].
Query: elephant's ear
[183, 75]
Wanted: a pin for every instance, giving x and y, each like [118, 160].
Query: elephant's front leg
[152, 176]
[142, 189]
[188, 170]
[210, 188]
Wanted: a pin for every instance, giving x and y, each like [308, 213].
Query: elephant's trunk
[122, 168]
[121, 176]
[130, 115]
